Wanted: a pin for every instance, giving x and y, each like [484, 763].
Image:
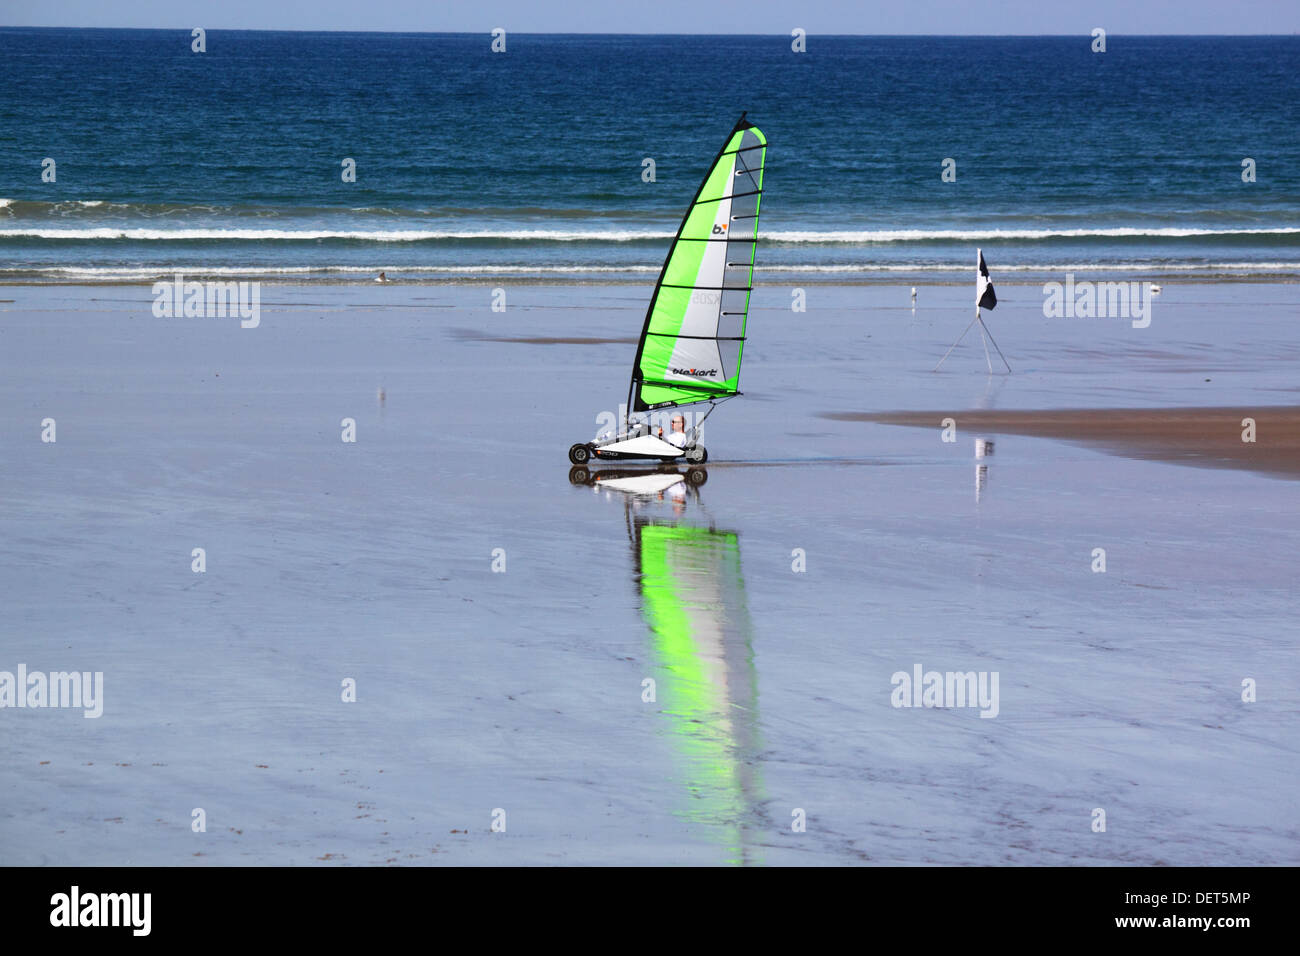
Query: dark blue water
[471, 163]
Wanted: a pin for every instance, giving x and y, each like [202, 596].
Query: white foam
[965, 235]
[166, 272]
[299, 235]
[621, 235]
[1036, 267]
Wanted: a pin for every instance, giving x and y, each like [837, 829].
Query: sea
[125, 155]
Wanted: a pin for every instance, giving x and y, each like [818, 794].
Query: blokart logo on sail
[720, 229]
[696, 373]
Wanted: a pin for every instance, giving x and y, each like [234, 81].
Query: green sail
[694, 330]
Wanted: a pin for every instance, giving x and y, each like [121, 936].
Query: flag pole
[972, 323]
[979, 255]
[984, 340]
[959, 338]
[985, 335]
[995, 345]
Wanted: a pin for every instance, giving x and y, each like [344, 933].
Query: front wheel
[579, 454]
[697, 455]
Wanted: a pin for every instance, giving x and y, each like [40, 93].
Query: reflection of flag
[985, 297]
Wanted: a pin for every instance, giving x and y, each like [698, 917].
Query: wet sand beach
[500, 616]
[1205, 437]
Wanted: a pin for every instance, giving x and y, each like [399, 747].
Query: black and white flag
[985, 297]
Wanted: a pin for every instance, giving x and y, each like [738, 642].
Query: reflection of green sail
[693, 597]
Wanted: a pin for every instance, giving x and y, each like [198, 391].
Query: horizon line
[488, 31]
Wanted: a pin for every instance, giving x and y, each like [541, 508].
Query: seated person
[677, 432]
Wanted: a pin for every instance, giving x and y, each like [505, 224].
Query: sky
[957, 17]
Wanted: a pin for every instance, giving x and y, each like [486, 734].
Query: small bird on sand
[1155, 290]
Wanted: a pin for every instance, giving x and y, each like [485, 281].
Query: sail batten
[691, 344]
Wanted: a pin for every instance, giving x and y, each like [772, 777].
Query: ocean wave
[856, 237]
[100, 233]
[416, 273]
[93, 210]
[1039, 268]
[131, 273]
[860, 237]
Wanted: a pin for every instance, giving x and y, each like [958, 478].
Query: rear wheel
[697, 476]
[579, 454]
[697, 455]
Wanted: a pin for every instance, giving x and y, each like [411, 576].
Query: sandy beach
[1206, 437]
[773, 603]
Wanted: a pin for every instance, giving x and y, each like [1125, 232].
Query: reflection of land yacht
[693, 601]
[692, 593]
[690, 347]
[644, 489]
[639, 481]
